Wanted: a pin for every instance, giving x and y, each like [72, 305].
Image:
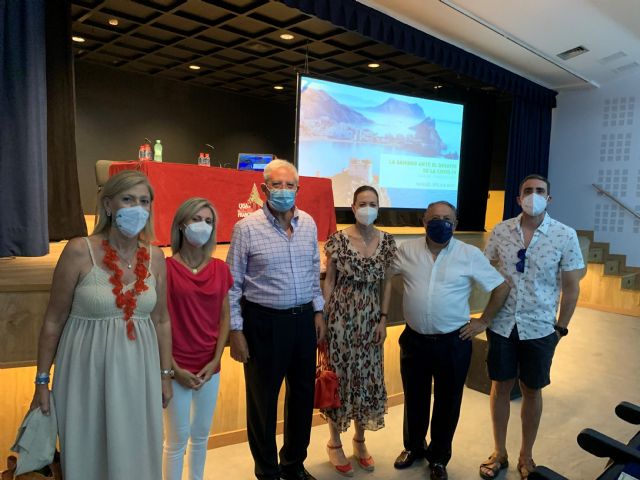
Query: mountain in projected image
[319, 106]
[397, 107]
[393, 123]
[429, 139]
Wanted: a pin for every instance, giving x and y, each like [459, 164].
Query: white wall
[595, 138]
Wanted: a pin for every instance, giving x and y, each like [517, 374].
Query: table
[235, 194]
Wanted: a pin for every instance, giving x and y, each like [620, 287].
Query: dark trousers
[445, 359]
[281, 347]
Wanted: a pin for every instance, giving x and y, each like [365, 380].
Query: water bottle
[142, 154]
[157, 151]
[147, 152]
[207, 160]
[201, 158]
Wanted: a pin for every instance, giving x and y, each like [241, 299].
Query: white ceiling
[525, 36]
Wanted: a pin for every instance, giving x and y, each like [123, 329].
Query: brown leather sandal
[525, 467]
[490, 468]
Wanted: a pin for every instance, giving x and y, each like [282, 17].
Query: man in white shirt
[539, 257]
[438, 275]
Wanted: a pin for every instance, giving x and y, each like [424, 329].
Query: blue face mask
[282, 200]
[131, 220]
[440, 231]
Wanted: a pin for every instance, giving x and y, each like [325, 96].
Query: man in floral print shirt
[539, 257]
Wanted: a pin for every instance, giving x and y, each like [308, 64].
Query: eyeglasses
[522, 255]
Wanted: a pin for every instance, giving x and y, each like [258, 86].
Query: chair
[622, 457]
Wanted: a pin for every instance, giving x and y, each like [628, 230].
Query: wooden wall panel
[603, 292]
[15, 397]
[229, 423]
[21, 315]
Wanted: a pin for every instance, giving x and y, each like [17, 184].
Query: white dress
[107, 387]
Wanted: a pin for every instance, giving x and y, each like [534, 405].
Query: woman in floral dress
[357, 258]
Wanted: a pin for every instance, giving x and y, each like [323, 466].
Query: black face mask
[440, 231]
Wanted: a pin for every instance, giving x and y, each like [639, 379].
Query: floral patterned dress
[353, 311]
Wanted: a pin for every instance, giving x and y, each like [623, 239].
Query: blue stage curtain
[23, 129]
[66, 219]
[529, 136]
[530, 127]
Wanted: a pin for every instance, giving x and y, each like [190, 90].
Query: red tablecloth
[234, 193]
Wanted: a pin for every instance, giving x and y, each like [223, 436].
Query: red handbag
[326, 394]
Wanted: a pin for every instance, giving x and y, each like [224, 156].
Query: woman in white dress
[107, 326]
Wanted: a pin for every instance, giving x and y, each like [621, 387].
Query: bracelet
[167, 373]
[42, 378]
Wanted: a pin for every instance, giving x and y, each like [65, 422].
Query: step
[630, 278]
[614, 264]
[611, 267]
[586, 233]
[630, 281]
[598, 252]
[596, 255]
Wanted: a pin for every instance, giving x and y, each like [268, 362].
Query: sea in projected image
[409, 148]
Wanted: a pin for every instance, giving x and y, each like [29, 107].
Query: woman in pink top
[197, 287]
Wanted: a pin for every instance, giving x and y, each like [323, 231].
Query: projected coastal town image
[406, 147]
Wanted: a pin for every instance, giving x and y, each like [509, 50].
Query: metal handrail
[602, 191]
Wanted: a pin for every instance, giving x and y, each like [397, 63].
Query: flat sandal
[493, 464]
[526, 467]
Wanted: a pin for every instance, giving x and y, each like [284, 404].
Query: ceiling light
[113, 22]
[194, 67]
[373, 65]
[287, 36]
[437, 87]
[278, 87]
[78, 39]
[258, 47]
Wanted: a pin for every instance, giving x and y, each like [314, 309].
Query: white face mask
[534, 204]
[366, 215]
[131, 220]
[199, 233]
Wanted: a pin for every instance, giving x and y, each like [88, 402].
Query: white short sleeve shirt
[533, 300]
[436, 293]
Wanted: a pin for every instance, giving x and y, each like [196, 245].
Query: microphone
[212, 148]
[147, 140]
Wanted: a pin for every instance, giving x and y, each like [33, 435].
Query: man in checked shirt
[276, 321]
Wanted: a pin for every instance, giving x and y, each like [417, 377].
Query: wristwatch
[167, 373]
[563, 331]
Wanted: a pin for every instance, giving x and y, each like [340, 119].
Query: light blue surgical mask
[282, 200]
[131, 220]
[366, 215]
[198, 233]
